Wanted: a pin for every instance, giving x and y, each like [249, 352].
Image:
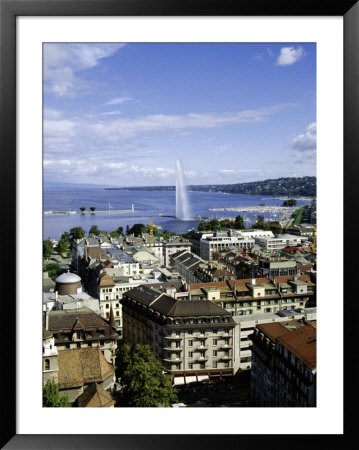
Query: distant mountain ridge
[288, 186]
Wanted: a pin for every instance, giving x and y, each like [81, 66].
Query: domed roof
[68, 278]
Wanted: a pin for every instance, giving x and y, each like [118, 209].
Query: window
[190, 343]
[190, 365]
[202, 343]
[190, 354]
[214, 364]
[47, 364]
[189, 331]
[107, 306]
[214, 341]
[214, 352]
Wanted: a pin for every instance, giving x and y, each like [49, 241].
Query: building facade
[284, 365]
[193, 340]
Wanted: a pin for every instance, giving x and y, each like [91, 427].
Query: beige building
[50, 367]
[192, 339]
[258, 295]
[284, 365]
[82, 328]
[81, 367]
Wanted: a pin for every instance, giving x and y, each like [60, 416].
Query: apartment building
[258, 295]
[82, 328]
[194, 269]
[247, 324]
[193, 339]
[210, 244]
[284, 365]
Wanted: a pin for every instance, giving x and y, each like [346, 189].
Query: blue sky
[122, 114]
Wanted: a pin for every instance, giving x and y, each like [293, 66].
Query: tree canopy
[51, 396]
[136, 229]
[142, 379]
[63, 246]
[95, 230]
[54, 270]
[47, 248]
[290, 202]
[77, 233]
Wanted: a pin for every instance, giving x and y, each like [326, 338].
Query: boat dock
[110, 210]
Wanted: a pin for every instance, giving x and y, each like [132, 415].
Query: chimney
[47, 319]
[112, 318]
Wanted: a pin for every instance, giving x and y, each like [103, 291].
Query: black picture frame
[9, 10]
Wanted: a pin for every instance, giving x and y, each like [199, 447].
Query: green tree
[53, 269]
[136, 229]
[47, 248]
[142, 379]
[92, 208]
[290, 202]
[63, 246]
[166, 234]
[116, 233]
[82, 208]
[275, 227]
[77, 233]
[239, 223]
[51, 396]
[203, 226]
[260, 224]
[95, 230]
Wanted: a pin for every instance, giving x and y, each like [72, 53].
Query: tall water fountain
[183, 211]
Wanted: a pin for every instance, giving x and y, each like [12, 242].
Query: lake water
[147, 204]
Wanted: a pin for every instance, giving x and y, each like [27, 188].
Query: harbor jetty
[110, 210]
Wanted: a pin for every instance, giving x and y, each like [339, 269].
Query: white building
[246, 325]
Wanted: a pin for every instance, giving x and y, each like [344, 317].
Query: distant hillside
[291, 187]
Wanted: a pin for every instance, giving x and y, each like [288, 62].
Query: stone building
[193, 339]
[68, 283]
[284, 365]
[81, 367]
[50, 367]
[82, 328]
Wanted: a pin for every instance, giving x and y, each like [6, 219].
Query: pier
[110, 210]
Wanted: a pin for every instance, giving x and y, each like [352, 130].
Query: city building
[81, 367]
[210, 244]
[193, 339]
[50, 367]
[246, 325]
[82, 328]
[257, 295]
[284, 365]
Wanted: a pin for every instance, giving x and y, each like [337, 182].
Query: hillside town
[226, 318]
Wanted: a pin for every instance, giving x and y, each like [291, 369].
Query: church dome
[68, 277]
[68, 283]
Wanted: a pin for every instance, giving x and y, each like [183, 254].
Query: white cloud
[119, 101]
[52, 114]
[58, 128]
[289, 56]
[63, 61]
[307, 140]
[111, 113]
[305, 145]
[60, 162]
[128, 128]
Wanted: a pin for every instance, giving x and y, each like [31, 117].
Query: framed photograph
[50, 53]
